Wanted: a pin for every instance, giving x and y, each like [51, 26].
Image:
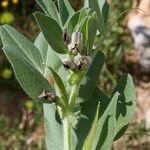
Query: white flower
[76, 43]
[68, 64]
[82, 62]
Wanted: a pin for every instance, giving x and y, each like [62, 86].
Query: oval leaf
[66, 11]
[106, 127]
[126, 104]
[25, 60]
[60, 85]
[53, 129]
[52, 32]
[89, 82]
[49, 56]
[88, 109]
[49, 7]
[102, 9]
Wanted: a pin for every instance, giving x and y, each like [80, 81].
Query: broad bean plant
[61, 70]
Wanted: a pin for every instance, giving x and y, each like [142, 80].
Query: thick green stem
[66, 124]
[73, 95]
[67, 134]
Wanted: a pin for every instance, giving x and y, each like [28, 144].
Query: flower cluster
[76, 60]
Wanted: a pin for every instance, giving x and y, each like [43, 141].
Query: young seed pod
[68, 64]
[47, 97]
[76, 43]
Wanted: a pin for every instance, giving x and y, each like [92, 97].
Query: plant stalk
[66, 124]
[67, 134]
[73, 95]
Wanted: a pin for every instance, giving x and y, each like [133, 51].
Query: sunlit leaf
[89, 139]
[49, 56]
[25, 60]
[106, 127]
[102, 9]
[66, 11]
[49, 7]
[88, 109]
[52, 32]
[126, 104]
[89, 82]
[59, 84]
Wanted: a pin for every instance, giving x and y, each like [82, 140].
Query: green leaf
[64, 74]
[60, 84]
[49, 57]
[91, 34]
[66, 11]
[86, 4]
[88, 109]
[85, 12]
[10, 37]
[72, 23]
[106, 127]
[84, 29]
[89, 139]
[81, 24]
[89, 82]
[83, 16]
[53, 130]
[77, 21]
[102, 9]
[25, 60]
[52, 32]
[88, 29]
[126, 104]
[86, 23]
[49, 7]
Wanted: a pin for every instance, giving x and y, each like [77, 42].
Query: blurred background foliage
[21, 122]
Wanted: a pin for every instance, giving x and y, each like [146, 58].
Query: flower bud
[76, 43]
[65, 36]
[68, 64]
[77, 59]
[88, 60]
[47, 97]
[82, 62]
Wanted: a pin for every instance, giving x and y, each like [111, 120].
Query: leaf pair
[102, 9]
[25, 60]
[114, 116]
[50, 8]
